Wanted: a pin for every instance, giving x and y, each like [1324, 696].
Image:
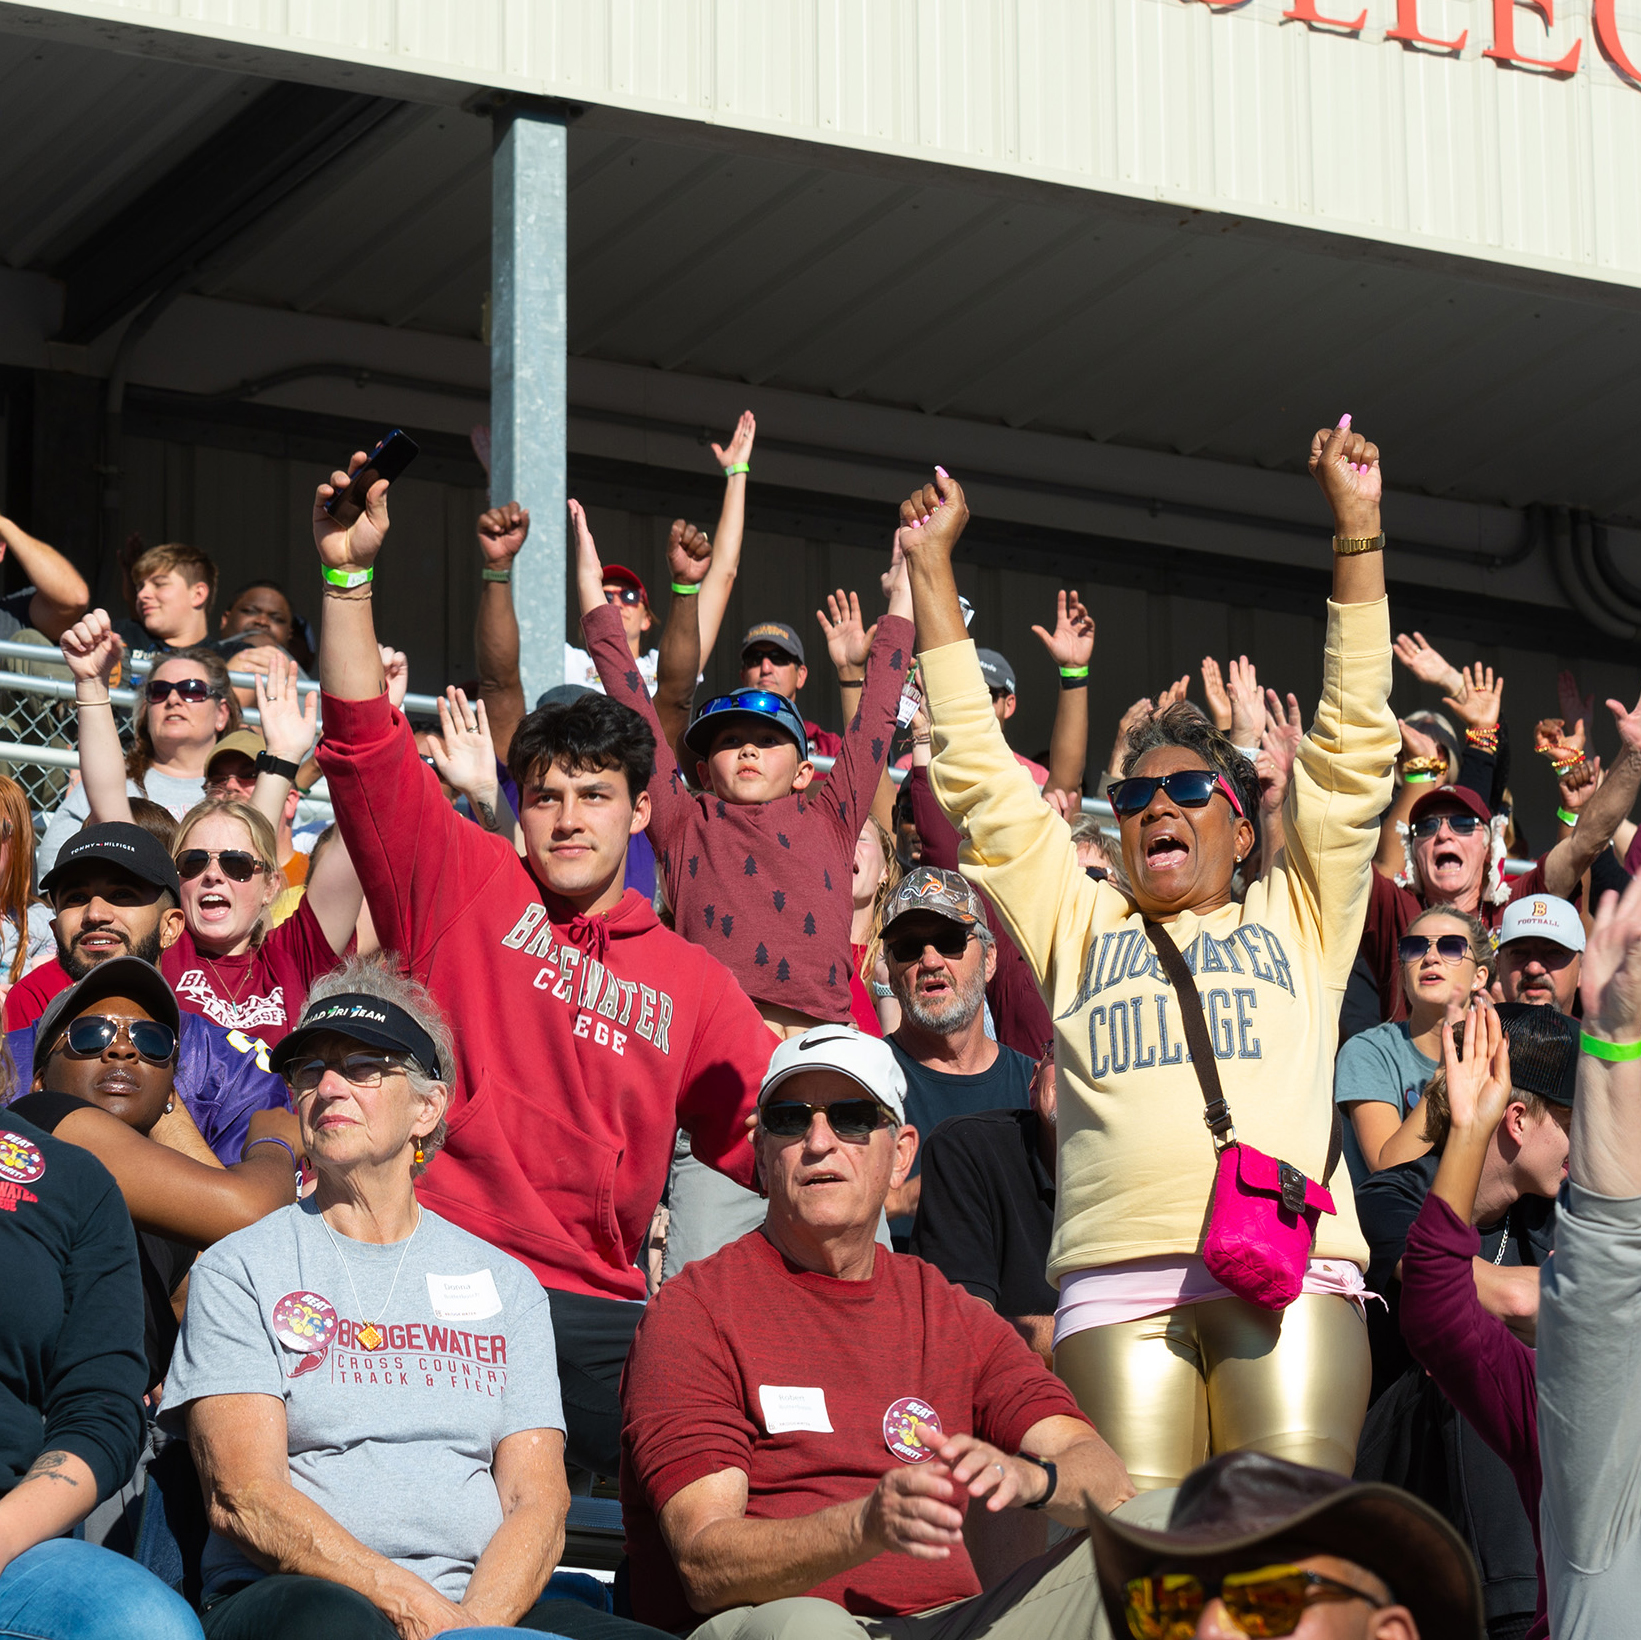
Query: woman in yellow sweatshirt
[1169, 1366]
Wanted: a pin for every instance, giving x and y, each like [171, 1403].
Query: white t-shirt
[392, 1424]
[579, 668]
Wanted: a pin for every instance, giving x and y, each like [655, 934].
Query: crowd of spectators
[931, 1201]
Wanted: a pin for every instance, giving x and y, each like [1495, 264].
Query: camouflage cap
[940, 893]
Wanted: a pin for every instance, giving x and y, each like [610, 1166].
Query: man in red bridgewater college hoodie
[586, 1033]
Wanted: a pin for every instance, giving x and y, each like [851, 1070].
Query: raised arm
[290, 725]
[502, 532]
[689, 561]
[1071, 647]
[1602, 812]
[1606, 1138]
[350, 661]
[61, 596]
[726, 557]
[465, 756]
[92, 651]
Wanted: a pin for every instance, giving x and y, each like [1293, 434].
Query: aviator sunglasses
[1461, 825]
[847, 1118]
[1189, 788]
[236, 863]
[90, 1034]
[623, 595]
[1449, 947]
[192, 690]
[1269, 1602]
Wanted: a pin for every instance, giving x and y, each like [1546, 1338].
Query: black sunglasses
[192, 690]
[623, 595]
[90, 1034]
[848, 1118]
[236, 863]
[1449, 947]
[1189, 788]
[951, 941]
[1461, 825]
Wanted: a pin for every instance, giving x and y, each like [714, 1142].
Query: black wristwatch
[1049, 1470]
[267, 763]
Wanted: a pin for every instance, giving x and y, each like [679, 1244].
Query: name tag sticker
[791, 1406]
[464, 1298]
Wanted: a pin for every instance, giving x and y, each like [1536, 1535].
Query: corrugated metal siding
[1223, 109]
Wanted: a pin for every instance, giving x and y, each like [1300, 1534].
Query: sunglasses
[90, 1034]
[1189, 788]
[359, 1070]
[949, 942]
[1461, 825]
[848, 1118]
[623, 595]
[1267, 1602]
[1449, 947]
[778, 657]
[236, 863]
[192, 690]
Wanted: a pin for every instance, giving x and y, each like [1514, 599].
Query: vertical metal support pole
[529, 337]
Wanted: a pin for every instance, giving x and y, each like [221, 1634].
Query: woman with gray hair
[371, 1394]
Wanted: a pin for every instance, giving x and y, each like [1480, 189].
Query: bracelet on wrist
[1348, 546]
[267, 763]
[1486, 738]
[1614, 1052]
[490, 573]
[1565, 818]
[105, 700]
[1069, 680]
[270, 1139]
[347, 579]
[1073, 671]
[683, 591]
[737, 467]
[1049, 1470]
[881, 991]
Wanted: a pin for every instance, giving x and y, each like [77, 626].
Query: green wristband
[347, 578]
[1615, 1051]
[1073, 671]
[488, 574]
[1418, 779]
[739, 467]
[1565, 818]
[683, 591]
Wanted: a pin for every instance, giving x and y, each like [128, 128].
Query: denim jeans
[69, 1590]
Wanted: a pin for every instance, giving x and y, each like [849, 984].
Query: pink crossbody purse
[1263, 1223]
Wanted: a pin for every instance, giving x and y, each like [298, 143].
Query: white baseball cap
[1542, 917]
[865, 1059]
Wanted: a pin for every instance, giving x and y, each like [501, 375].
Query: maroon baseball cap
[622, 576]
[1450, 798]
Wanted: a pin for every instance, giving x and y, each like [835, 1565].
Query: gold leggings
[1171, 1390]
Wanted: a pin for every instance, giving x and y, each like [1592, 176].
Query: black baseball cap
[117, 843]
[368, 1019]
[1543, 1049]
[117, 977]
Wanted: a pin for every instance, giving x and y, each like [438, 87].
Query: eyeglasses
[1269, 1602]
[776, 657]
[1461, 825]
[623, 595]
[90, 1034]
[192, 690]
[1449, 947]
[359, 1070]
[1189, 788]
[848, 1118]
[236, 863]
[951, 941]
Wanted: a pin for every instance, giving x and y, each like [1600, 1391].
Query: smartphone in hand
[388, 460]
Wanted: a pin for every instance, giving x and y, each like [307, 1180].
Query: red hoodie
[580, 1048]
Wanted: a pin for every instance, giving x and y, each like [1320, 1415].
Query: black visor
[365, 1019]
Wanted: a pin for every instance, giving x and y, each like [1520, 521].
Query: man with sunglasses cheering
[843, 1405]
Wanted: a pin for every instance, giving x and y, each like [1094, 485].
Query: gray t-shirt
[392, 1426]
[1380, 1066]
[177, 797]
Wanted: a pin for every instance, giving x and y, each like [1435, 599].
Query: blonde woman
[877, 875]
[25, 921]
[221, 955]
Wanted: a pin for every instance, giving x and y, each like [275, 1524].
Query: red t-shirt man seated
[806, 1414]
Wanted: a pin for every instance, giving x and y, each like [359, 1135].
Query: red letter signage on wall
[1408, 31]
[1503, 47]
[1304, 11]
[1606, 33]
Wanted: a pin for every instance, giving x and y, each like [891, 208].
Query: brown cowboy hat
[1245, 1502]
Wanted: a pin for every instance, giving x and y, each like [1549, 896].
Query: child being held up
[759, 868]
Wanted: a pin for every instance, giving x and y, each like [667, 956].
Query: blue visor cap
[754, 703]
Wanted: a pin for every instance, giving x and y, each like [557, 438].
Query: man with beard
[940, 953]
[1541, 946]
[114, 892]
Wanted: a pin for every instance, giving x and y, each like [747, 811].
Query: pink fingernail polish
[925, 518]
[1344, 420]
[942, 471]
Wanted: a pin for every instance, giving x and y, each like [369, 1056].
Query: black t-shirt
[987, 1210]
[164, 1264]
[1387, 1203]
[932, 1096]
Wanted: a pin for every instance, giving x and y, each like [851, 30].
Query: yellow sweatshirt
[1136, 1161]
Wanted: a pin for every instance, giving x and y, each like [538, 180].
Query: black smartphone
[388, 460]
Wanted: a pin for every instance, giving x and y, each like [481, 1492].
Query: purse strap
[1216, 1113]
